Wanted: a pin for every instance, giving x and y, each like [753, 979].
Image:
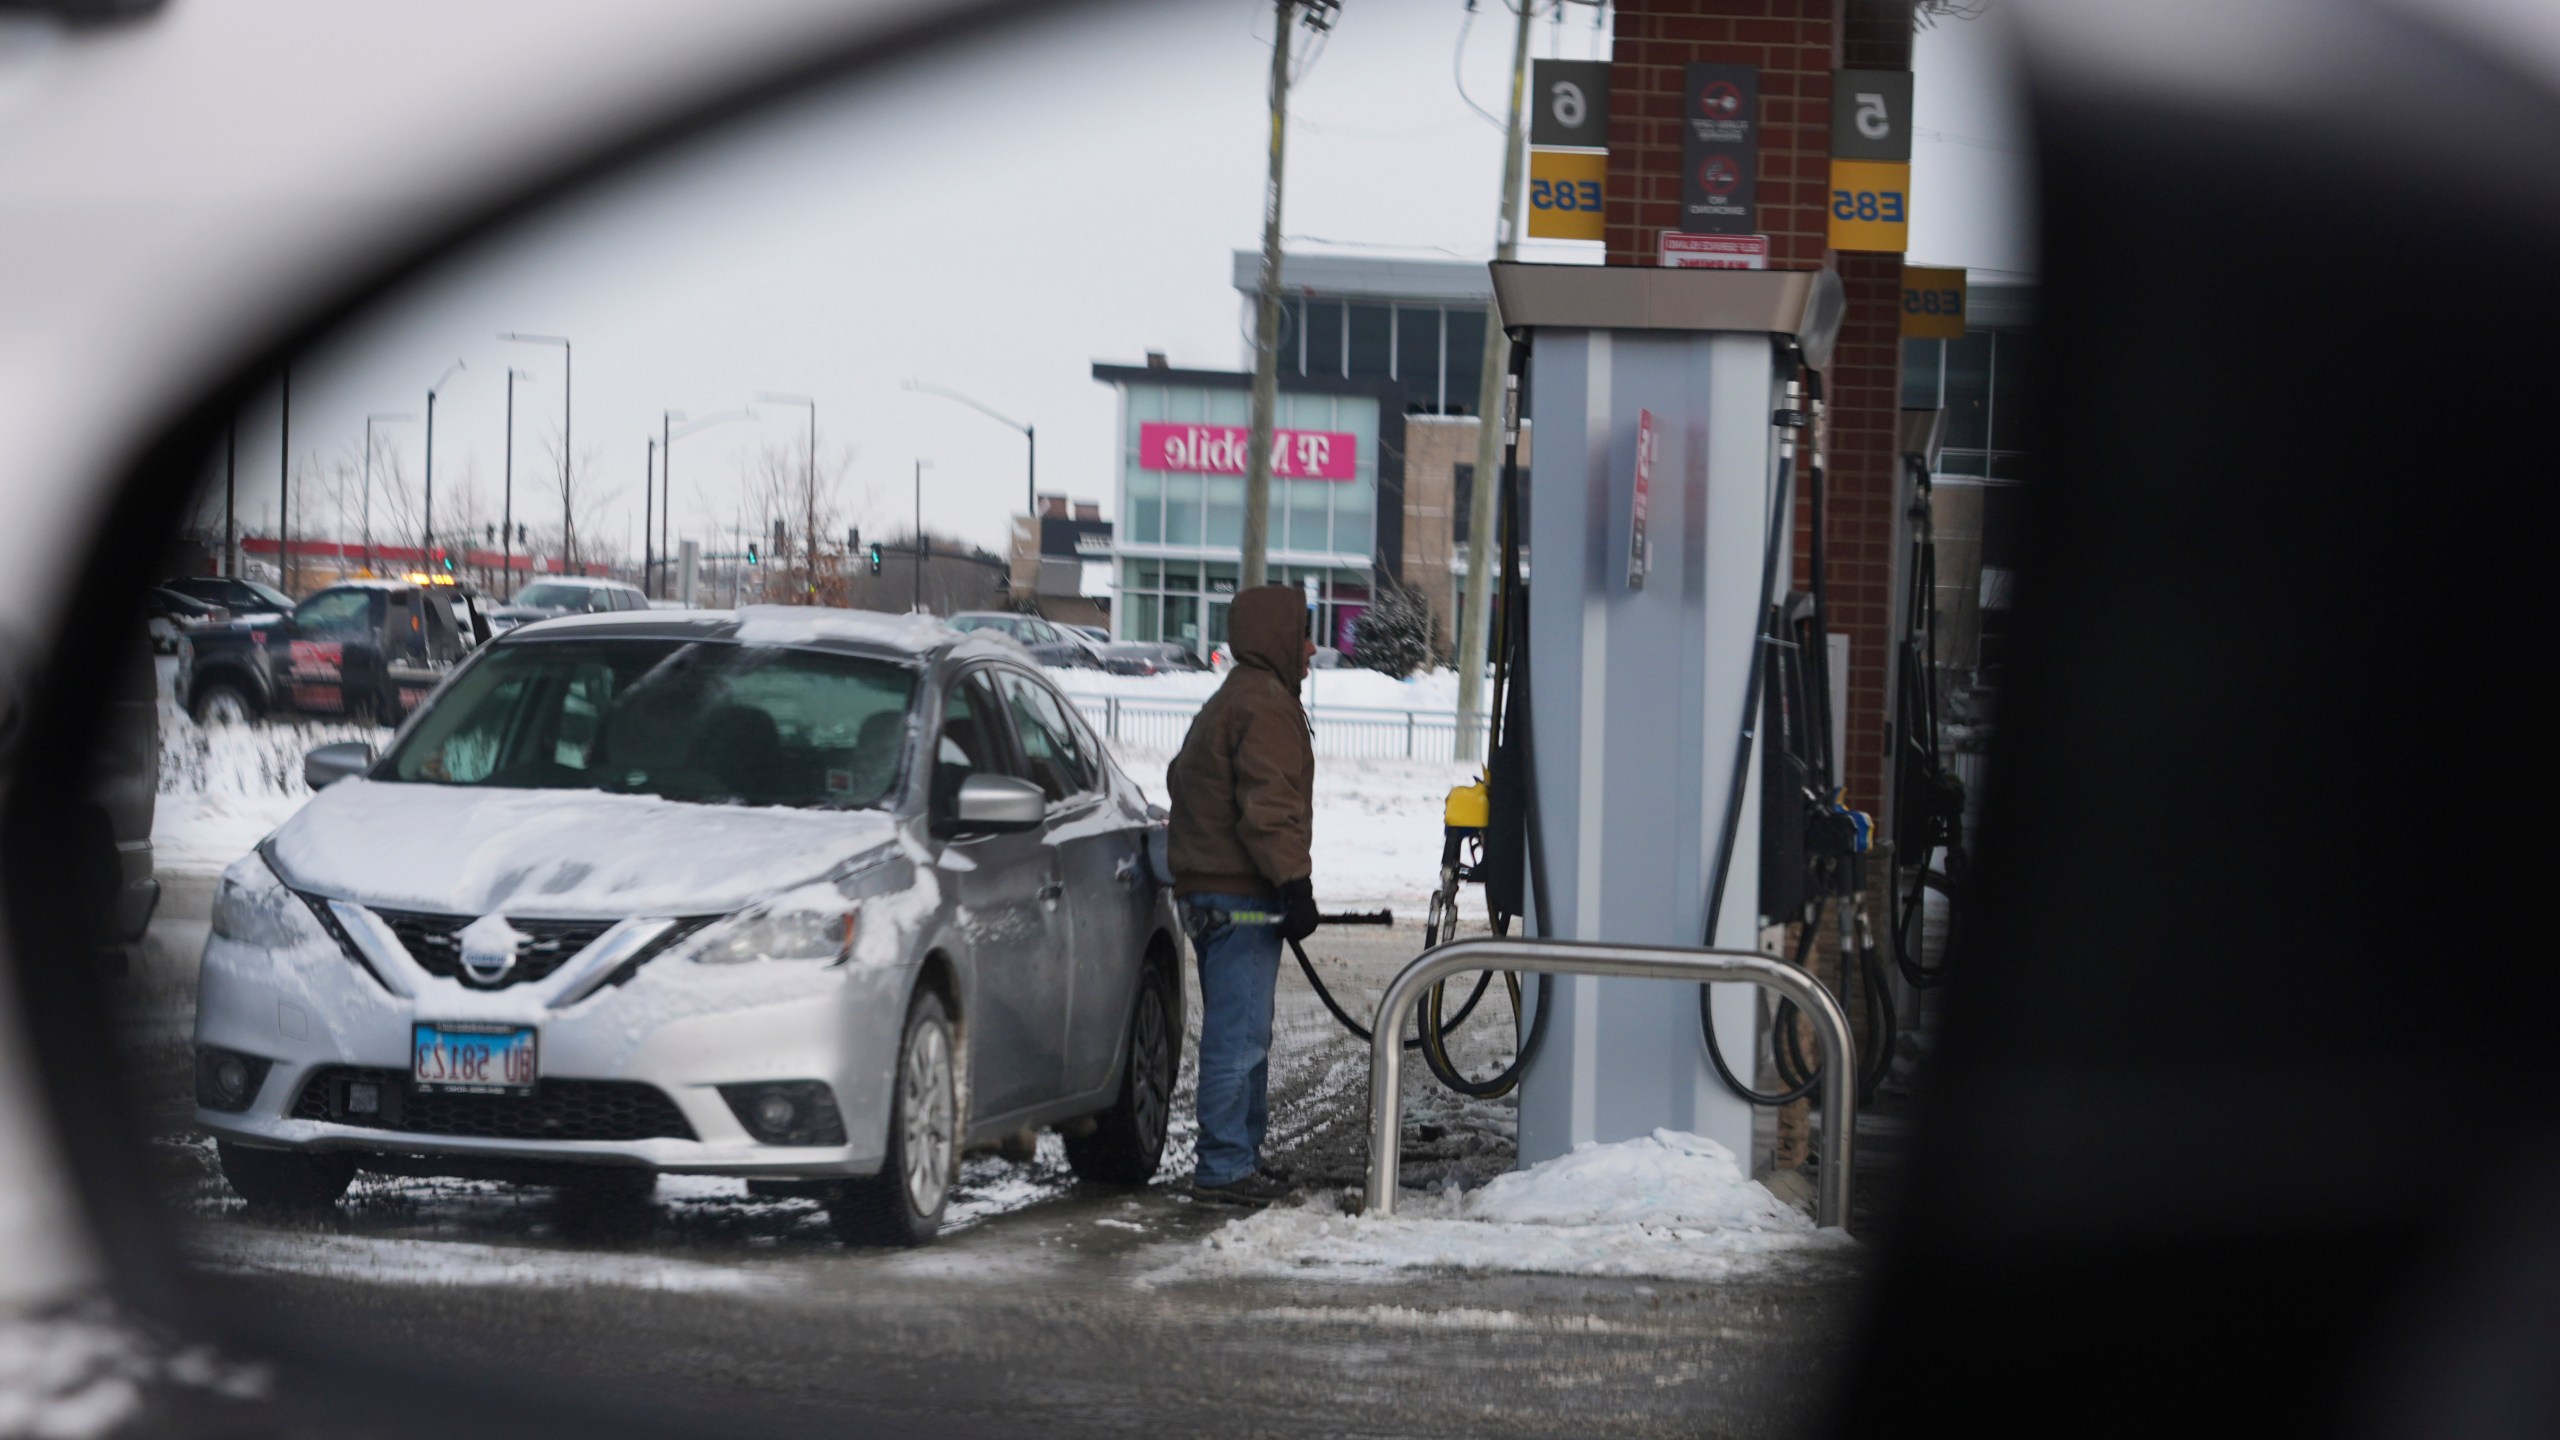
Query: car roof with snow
[801, 627]
[592, 582]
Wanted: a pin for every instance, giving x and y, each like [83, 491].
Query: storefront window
[1308, 527]
[1226, 510]
[1352, 518]
[1143, 520]
[1418, 354]
[1141, 617]
[1181, 509]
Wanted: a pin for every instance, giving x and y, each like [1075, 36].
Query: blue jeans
[1239, 970]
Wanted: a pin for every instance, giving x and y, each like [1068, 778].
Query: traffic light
[751, 552]
[875, 557]
[444, 557]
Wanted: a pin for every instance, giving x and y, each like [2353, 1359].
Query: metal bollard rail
[1639, 962]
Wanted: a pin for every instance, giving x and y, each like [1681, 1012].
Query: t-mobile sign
[1222, 450]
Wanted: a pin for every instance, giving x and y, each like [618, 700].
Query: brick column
[1796, 44]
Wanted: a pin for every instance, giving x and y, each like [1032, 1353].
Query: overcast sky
[993, 221]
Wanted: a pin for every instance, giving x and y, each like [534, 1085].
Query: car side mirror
[994, 803]
[330, 764]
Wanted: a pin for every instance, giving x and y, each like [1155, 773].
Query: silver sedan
[818, 898]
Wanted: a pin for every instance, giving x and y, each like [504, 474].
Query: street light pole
[1030, 433]
[648, 519]
[427, 551]
[568, 531]
[918, 547]
[507, 502]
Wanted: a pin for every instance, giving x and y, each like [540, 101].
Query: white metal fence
[1342, 732]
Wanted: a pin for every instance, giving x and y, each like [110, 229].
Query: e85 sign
[1565, 192]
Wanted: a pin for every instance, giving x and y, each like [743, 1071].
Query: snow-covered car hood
[559, 853]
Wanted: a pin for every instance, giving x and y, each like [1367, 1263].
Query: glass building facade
[1179, 539]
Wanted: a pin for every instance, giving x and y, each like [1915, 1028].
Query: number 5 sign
[1870, 194]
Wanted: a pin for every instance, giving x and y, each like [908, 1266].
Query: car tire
[903, 1204]
[1127, 1141]
[220, 702]
[286, 1179]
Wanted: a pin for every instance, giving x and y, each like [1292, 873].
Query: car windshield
[696, 721]
[259, 594]
[563, 597]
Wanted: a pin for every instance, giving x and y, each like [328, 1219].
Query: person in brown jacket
[1243, 790]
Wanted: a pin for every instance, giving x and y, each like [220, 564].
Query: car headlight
[267, 916]
[772, 933]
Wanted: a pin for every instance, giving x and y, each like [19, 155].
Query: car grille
[435, 942]
[557, 1110]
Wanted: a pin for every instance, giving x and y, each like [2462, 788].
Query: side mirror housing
[997, 803]
[330, 764]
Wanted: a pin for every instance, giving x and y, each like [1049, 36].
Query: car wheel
[223, 703]
[1127, 1141]
[902, 1205]
[284, 1179]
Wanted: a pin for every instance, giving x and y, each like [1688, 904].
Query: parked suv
[819, 898]
[361, 649]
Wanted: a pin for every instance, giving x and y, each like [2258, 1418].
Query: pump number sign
[1565, 191]
[1871, 205]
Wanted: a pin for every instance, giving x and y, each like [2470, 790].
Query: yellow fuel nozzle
[1470, 807]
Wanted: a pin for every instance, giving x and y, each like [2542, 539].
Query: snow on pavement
[84, 1371]
[388, 1260]
[1669, 1206]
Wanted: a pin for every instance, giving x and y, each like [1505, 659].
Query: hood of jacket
[1267, 629]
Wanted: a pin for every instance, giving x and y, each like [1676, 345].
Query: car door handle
[1050, 892]
[1126, 872]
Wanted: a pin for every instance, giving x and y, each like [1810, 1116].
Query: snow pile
[224, 788]
[800, 624]
[1671, 1205]
[84, 1373]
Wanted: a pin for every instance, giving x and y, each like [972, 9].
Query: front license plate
[460, 1058]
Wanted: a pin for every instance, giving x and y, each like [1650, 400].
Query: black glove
[1298, 910]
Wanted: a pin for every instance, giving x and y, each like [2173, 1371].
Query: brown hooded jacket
[1243, 786]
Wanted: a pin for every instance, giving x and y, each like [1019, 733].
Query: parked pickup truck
[365, 650]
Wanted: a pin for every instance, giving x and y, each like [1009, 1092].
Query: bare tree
[579, 487]
[808, 500]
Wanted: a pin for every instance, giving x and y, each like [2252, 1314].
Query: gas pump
[1635, 750]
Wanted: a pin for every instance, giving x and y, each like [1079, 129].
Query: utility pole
[1474, 618]
[286, 570]
[231, 500]
[1266, 316]
[648, 518]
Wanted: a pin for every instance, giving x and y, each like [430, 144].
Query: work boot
[1256, 1190]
